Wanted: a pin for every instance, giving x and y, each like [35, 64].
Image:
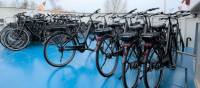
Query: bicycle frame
[78, 45]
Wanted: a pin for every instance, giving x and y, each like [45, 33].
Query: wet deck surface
[28, 69]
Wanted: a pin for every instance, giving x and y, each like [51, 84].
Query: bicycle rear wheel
[4, 30]
[56, 52]
[152, 75]
[17, 39]
[106, 63]
[2, 34]
[130, 70]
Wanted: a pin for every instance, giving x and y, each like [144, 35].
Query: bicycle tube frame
[89, 28]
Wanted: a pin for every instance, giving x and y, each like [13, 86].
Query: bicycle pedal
[79, 46]
[134, 65]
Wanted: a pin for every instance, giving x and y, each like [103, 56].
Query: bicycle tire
[4, 30]
[146, 80]
[104, 74]
[49, 42]
[124, 71]
[21, 44]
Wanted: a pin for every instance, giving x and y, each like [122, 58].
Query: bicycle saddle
[103, 31]
[150, 37]
[160, 26]
[71, 25]
[137, 27]
[96, 22]
[136, 23]
[115, 25]
[28, 20]
[127, 37]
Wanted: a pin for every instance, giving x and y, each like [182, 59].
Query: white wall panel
[188, 27]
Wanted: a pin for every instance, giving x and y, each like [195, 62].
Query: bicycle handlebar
[97, 11]
[132, 11]
[128, 13]
[152, 9]
[103, 15]
[183, 15]
[159, 13]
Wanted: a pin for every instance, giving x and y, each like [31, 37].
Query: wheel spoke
[107, 47]
[61, 56]
[104, 62]
[57, 44]
[65, 43]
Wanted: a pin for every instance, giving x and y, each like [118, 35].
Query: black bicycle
[17, 35]
[64, 45]
[109, 47]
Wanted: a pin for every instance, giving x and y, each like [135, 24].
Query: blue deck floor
[28, 69]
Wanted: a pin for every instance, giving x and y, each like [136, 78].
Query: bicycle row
[18, 35]
[146, 49]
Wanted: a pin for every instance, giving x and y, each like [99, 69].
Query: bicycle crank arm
[68, 48]
[117, 53]
[90, 49]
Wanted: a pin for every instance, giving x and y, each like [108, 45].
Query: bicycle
[108, 47]
[68, 43]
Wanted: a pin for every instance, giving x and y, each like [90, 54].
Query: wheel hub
[61, 49]
[109, 55]
[134, 65]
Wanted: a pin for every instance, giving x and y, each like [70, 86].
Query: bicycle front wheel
[17, 39]
[130, 70]
[106, 61]
[56, 50]
[152, 71]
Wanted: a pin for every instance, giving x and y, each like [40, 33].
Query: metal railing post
[196, 38]
[197, 52]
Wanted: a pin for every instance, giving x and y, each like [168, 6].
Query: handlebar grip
[131, 11]
[183, 15]
[163, 18]
[97, 11]
[184, 11]
[140, 13]
[159, 13]
[152, 9]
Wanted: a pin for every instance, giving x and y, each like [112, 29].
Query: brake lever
[97, 11]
